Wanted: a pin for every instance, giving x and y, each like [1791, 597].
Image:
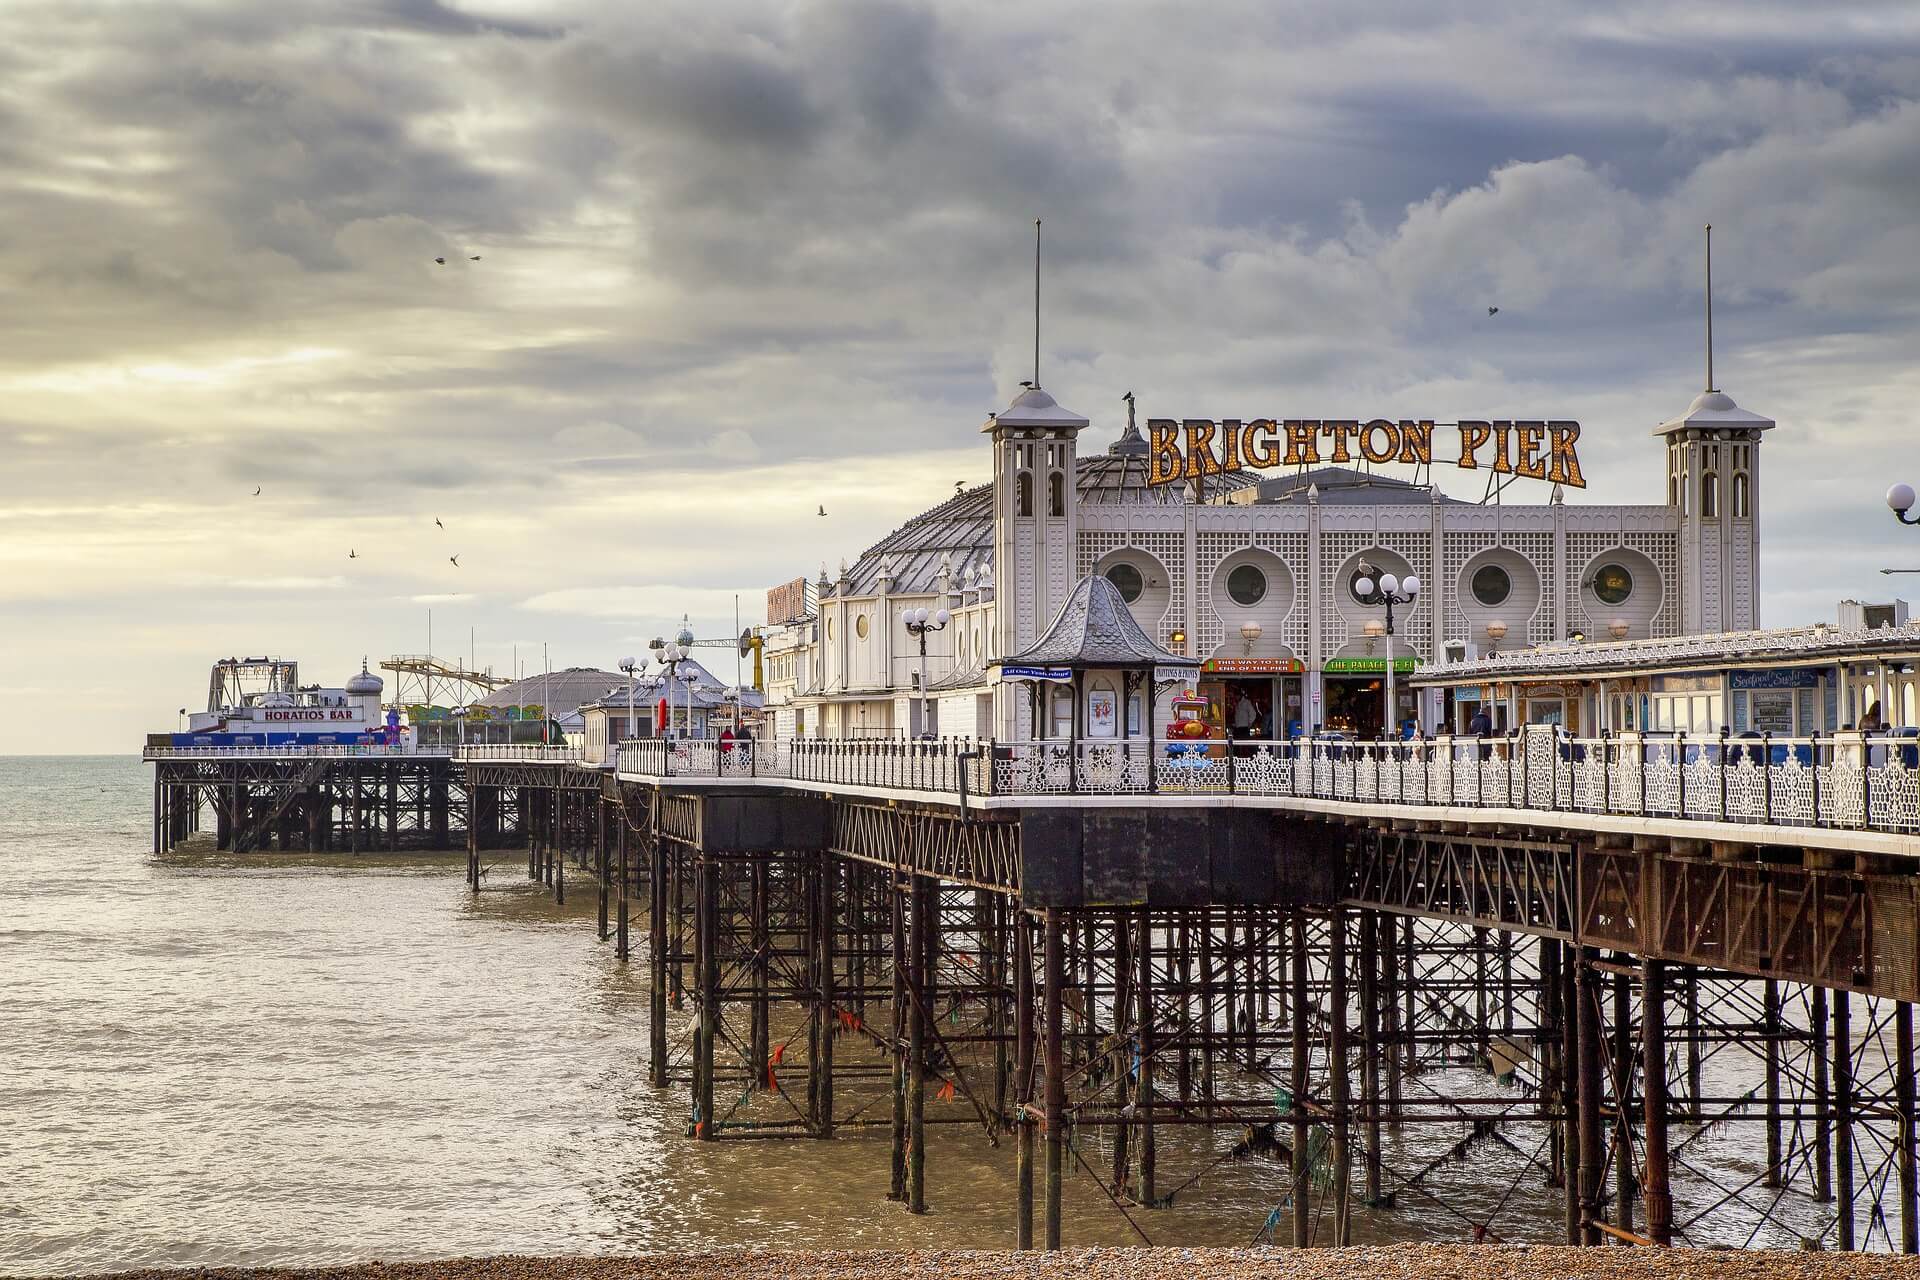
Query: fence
[1849, 780]
[292, 750]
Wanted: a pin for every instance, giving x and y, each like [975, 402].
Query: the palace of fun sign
[1192, 448]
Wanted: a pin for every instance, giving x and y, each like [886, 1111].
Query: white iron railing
[1848, 780]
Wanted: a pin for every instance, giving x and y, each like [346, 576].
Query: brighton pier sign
[1192, 448]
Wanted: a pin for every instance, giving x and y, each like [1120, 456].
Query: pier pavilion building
[1255, 579]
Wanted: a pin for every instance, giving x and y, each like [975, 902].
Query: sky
[711, 266]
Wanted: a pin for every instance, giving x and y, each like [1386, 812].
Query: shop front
[1355, 696]
[1259, 699]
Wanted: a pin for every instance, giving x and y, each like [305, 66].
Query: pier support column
[601, 870]
[707, 975]
[1143, 1088]
[1776, 1174]
[1904, 1125]
[1842, 1049]
[759, 1028]
[921, 943]
[657, 944]
[1370, 1050]
[1056, 1105]
[827, 1014]
[1590, 1048]
[623, 888]
[1624, 1184]
[1568, 1091]
[1338, 1068]
[1653, 1052]
[1022, 1078]
[1822, 1097]
[1299, 1019]
[900, 888]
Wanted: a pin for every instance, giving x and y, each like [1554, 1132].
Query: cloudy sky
[737, 261]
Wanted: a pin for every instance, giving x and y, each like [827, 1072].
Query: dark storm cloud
[799, 235]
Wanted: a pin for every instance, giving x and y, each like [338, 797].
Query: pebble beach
[1392, 1262]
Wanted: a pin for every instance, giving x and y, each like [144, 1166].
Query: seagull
[823, 511]
[353, 555]
[959, 487]
[454, 561]
[1493, 311]
[441, 261]
[256, 491]
[437, 524]
[473, 257]
[1028, 385]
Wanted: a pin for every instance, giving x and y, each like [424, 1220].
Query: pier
[1631, 952]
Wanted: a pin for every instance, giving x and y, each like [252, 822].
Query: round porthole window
[860, 626]
[1491, 585]
[1128, 580]
[1247, 586]
[1613, 584]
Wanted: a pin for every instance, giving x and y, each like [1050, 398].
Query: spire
[1710, 386]
[1036, 302]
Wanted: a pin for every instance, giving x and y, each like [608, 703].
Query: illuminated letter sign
[1192, 448]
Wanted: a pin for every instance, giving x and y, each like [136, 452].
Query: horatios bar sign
[1192, 448]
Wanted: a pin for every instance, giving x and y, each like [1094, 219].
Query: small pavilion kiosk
[1092, 679]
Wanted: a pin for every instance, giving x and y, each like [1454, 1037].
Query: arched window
[1709, 495]
[1740, 495]
[1685, 491]
[1023, 494]
[1056, 494]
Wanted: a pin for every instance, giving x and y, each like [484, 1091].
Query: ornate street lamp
[1388, 591]
[1900, 498]
[630, 666]
[919, 622]
[1250, 633]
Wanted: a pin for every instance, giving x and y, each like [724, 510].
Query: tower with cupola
[1035, 448]
[1713, 483]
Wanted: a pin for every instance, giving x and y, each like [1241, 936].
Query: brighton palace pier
[1135, 877]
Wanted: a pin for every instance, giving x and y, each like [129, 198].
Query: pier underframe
[346, 804]
[1404, 1043]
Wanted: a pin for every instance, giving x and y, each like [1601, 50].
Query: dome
[1035, 408]
[1715, 409]
[366, 682]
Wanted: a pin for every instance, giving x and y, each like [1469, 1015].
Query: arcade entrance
[1356, 700]
[1257, 699]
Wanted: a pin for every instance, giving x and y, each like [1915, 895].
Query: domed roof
[1035, 408]
[366, 682]
[1715, 408]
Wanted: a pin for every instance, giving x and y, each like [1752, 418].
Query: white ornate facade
[1254, 576]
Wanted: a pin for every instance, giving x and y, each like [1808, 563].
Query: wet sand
[1390, 1262]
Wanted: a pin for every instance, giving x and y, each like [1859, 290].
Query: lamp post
[659, 648]
[919, 622]
[628, 665]
[683, 646]
[460, 716]
[1901, 499]
[1388, 591]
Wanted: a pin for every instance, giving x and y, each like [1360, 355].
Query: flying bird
[823, 511]
[441, 261]
[454, 561]
[256, 491]
[352, 554]
[437, 524]
[1493, 311]
[473, 257]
